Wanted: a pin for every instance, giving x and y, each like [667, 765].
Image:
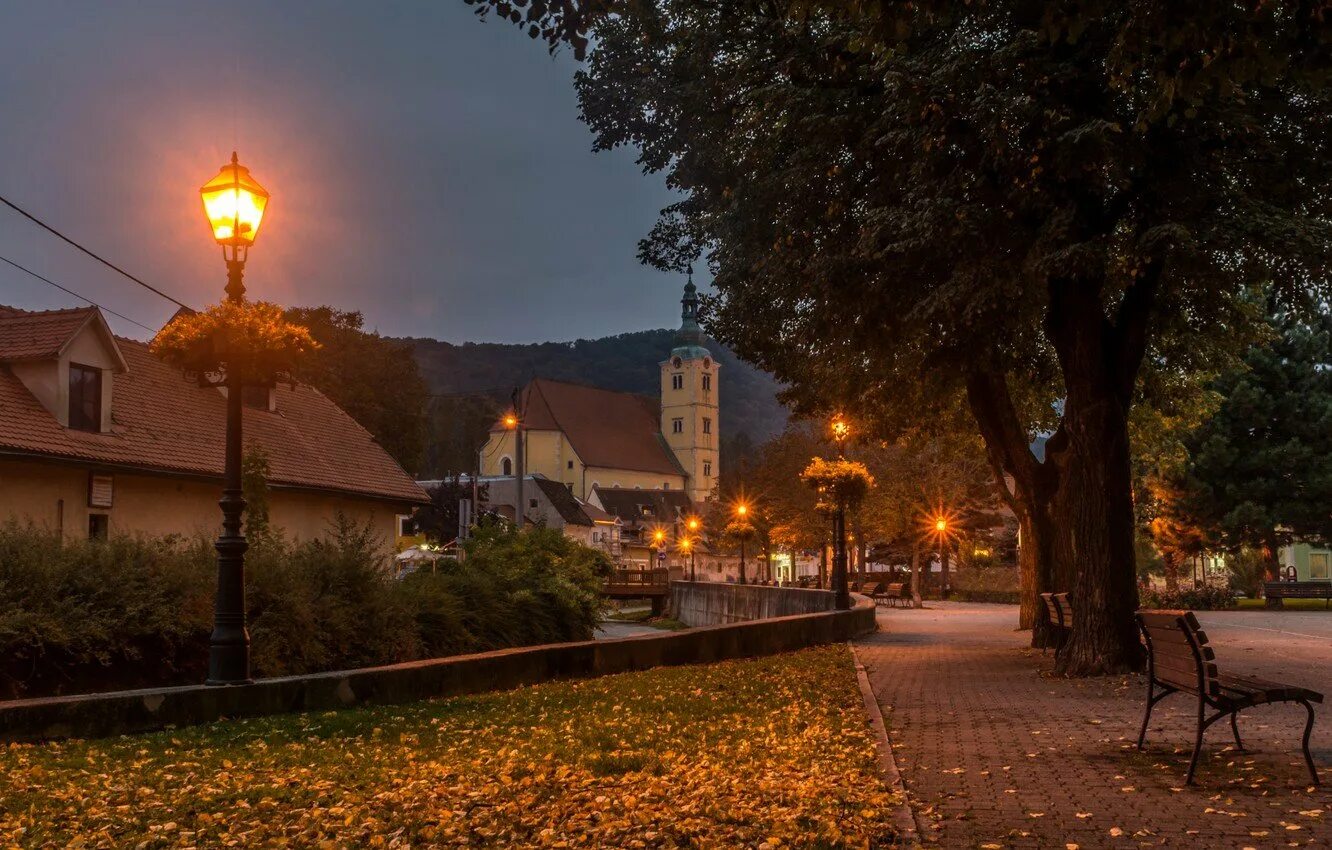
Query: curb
[904, 821]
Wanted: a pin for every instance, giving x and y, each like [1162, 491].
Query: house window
[677, 426]
[255, 397]
[1320, 565]
[707, 425]
[85, 398]
[665, 485]
[677, 381]
[99, 525]
[707, 468]
[507, 466]
[570, 465]
[531, 503]
[406, 527]
[707, 382]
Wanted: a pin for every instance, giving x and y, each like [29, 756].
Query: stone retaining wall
[703, 603]
[120, 712]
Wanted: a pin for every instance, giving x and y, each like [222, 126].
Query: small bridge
[651, 584]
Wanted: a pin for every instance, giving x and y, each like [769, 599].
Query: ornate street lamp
[658, 538]
[742, 517]
[841, 430]
[687, 547]
[234, 203]
[693, 525]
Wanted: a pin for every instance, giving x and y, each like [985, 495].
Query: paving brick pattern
[997, 753]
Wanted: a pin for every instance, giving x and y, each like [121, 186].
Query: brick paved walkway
[996, 753]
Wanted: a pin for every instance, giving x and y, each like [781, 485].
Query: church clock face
[707, 362]
[676, 362]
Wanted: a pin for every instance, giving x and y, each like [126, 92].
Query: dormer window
[85, 398]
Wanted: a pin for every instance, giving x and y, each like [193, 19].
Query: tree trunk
[1034, 574]
[1093, 505]
[1170, 563]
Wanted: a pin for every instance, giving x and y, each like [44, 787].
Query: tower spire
[690, 334]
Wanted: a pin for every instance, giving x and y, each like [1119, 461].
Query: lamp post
[658, 538]
[742, 515]
[687, 547]
[234, 203]
[515, 424]
[841, 429]
[693, 525]
[942, 531]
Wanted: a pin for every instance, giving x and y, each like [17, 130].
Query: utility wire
[76, 295]
[16, 208]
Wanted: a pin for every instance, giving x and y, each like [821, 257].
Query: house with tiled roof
[595, 441]
[98, 436]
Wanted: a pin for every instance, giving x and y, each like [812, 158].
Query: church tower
[689, 394]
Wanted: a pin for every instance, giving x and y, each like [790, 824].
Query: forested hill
[628, 362]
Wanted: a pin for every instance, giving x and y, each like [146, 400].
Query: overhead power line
[76, 295]
[35, 220]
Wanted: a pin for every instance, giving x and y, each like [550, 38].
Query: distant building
[98, 436]
[590, 438]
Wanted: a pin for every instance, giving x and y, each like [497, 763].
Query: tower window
[507, 466]
[677, 426]
[707, 382]
[707, 469]
[85, 398]
[707, 425]
[677, 381]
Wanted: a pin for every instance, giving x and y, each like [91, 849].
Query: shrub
[1202, 598]
[137, 612]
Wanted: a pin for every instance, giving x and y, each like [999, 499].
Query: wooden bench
[1061, 618]
[890, 594]
[1299, 590]
[1179, 659]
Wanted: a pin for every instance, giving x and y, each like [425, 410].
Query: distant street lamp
[841, 430]
[658, 538]
[513, 423]
[742, 516]
[234, 203]
[687, 547]
[693, 525]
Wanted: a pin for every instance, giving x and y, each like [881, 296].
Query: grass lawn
[1288, 604]
[739, 754]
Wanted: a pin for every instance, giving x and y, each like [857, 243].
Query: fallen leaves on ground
[740, 754]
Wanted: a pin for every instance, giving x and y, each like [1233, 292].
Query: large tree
[1259, 472]
[1022, 200]
[374, 379]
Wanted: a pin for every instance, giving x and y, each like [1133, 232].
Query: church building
[596, 440]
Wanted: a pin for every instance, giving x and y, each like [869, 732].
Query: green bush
[136, 612]
[1204, 598]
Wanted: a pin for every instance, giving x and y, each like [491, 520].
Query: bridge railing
[654, 577]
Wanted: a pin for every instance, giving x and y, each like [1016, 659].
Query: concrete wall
[712, 603]
[133, 711]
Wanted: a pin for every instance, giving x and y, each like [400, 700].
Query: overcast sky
[426, 168]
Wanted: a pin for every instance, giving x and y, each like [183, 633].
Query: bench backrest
[1178, 653]
[1057, 606]
[895, 589]
[1297, 589]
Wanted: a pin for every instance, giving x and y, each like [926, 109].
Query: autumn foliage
[839, 480]
[251, 335]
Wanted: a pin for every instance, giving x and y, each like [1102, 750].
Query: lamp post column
[229, 646]
[840, 589]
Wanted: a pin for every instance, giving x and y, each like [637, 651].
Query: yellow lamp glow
[841, 429]
[941, 524]
[658, 535]
[234, 203]
[685, 544]
[510, 421]
[742, 509]
[693, 523]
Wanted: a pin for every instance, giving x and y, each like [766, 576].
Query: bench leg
[1308, 729]
[1151, 703]
[1197, 745]
[1234, 727]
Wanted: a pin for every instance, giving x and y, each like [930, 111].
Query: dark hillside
[628, 362]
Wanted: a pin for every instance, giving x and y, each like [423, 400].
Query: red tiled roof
[34, 336]
[161, 421]
[608, 429]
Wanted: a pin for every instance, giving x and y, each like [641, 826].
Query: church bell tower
[689, 408]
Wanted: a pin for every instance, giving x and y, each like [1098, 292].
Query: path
[611, 629]
[996, 753]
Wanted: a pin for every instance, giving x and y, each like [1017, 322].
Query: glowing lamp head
[841, 429]
[693, 523]
[510, 421]
[234, 203]
[742, 509]
[658, 536]
[941, 524]
[685, 544]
